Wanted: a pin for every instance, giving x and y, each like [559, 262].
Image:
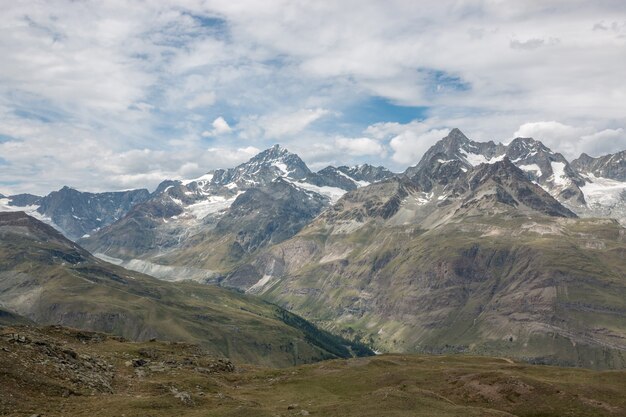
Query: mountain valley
[47, 279]
[479, 248]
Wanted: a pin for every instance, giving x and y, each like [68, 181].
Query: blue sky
[124, 94]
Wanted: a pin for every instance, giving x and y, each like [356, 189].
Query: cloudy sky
[104, 95]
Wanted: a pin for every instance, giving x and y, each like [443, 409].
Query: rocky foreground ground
[55, 371]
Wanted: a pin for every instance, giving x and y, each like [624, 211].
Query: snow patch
[603, 191]
[30, 210]
[5, 206]
[558, 173]
[177, 201]
[423, 198]
[475, 159]
[333, 193]
[531, 168]
[282, 167]
[204, 178]
[357, 182]
[211, 205]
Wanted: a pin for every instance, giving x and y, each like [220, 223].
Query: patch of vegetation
[336, 345]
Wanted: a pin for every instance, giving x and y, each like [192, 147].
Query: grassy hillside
[60, 372]
[50, 280]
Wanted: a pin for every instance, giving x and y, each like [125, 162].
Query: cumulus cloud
[409, 146]
[220, 127]
[80, 79]
[359, 146]
[603, 142]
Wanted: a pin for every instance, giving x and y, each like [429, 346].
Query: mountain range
[479, 248]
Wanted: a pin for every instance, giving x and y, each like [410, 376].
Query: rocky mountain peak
[521, 148]
[456, 154]
[502, 171]
[453, 142]
[456, 135]
[265, 167]
[275, 152]
[456, 146]
[366, 172]
[612, 166]
[504, 183]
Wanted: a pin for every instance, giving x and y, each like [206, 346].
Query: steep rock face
[378, 200]
[23, 200]
[505, 183]
[367, 173]
[51, 280]
[270, 214]
[78, 213]
[73, 212]
[139, 231]
[612, 166]
[332, 177]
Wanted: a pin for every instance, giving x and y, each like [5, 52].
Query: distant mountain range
[479, 247]
[591, 187]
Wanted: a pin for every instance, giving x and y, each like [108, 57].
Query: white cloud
[359, 146]
[409, 146]
[603, 142]
[220, 127]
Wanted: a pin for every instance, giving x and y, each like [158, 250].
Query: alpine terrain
[47, 279]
